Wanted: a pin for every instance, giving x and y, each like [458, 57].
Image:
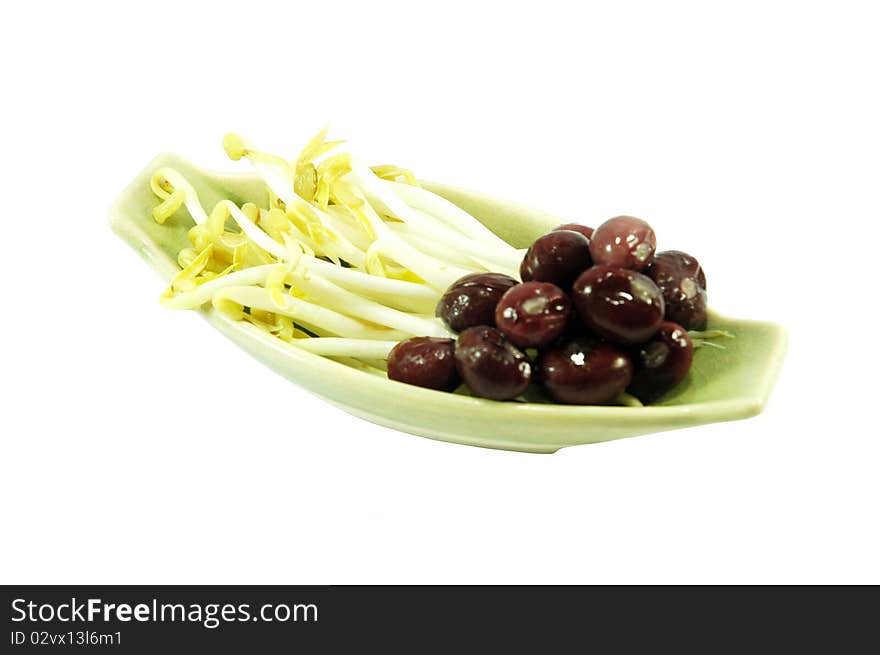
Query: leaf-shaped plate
[723, 385]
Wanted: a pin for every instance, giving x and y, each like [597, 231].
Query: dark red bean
[683, 283]
[621, 305]
[492, 280]
[576, 227]
[533, 314]
[472, 300]
[557, 257]
[425, 362]
[623, 241]
[490, 365]
[662, 362]
[584, 371]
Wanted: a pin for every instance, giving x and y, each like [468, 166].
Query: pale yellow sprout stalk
[408, 296]
[509, 258]
[321, 320]
[204, 292]
[443, 241]
[437, 273]
[395, 174]
[627, 400]
[705, 338]
[448, 212]
[277, 224]
[335, 245]
[338, 346]
[175, 191]
[436, 238]
[505, 257]
[343, 222]
[187, 278]
[447, 224]
[284, 181]
[464, 253]
[279, 178]
[377, 193]
[436, 247]
[275, 171]
[226, 208]
[346, 302]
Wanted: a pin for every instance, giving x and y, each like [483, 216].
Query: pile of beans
[598, 312]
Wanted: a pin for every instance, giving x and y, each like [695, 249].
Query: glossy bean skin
[471, 300]
[618, 304]
[576, 227]
[557, 257]
[623, 241]
[490, 365]
[584, 371]
[533, 314]
[427, 362]
[661, 363]
[683, 283]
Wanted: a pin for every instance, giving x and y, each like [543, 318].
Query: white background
[139, 446]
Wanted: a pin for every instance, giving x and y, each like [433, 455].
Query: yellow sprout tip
[235, 146]
[163, 211]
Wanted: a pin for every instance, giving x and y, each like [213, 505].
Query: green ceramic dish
[723, 385]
